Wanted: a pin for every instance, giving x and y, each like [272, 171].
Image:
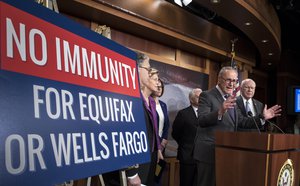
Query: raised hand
[272, 112]
[230, 102]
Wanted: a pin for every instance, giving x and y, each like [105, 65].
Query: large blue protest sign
[70, 103]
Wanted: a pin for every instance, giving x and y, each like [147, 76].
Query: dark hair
[162, 87]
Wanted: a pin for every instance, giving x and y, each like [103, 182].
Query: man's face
[248, 89]
[195, 98]
[227, 81]
[144, 70]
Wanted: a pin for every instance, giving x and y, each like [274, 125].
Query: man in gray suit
[217, 112]
[184, 132]
[246, 103]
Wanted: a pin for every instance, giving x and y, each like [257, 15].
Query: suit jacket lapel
[257, 107]
[240, 104]
[192, 112]
[218, 95]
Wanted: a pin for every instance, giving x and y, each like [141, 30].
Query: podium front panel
[248, 158]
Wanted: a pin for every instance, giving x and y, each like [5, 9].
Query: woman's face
[159, 90]
[153, 83]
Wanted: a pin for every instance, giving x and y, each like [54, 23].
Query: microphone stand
[249, 113]
[273, 124]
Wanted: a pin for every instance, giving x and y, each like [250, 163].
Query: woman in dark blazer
[162, 122]
[162, 115]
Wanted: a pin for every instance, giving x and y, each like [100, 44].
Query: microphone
[273, 124]
[250, 114]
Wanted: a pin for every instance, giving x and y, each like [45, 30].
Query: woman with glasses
[149, 82]
[143, 173]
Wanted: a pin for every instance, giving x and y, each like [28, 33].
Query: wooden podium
[253, 159]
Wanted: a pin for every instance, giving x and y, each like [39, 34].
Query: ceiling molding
[265, 24]
[165, 23]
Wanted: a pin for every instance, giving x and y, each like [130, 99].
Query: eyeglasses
[228, 81]
[156, 79]
[146, 68]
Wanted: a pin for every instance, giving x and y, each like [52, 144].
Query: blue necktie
[247, 107]
[231, 111]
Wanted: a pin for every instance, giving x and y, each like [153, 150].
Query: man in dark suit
[184, 132]
[246, 103]
[217, 112]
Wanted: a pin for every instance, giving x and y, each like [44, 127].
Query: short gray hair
[141, 57]
[225, 69]
[247, 80]
[193, 92]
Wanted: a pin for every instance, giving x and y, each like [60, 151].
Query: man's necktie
[247, 107]
[231, 111]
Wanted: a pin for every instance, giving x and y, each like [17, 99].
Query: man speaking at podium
[217, 112]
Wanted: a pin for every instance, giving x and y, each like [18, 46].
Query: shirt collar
[221, 92]
[249, 100]
[195, 108]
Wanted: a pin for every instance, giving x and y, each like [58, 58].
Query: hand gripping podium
[253, 159]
